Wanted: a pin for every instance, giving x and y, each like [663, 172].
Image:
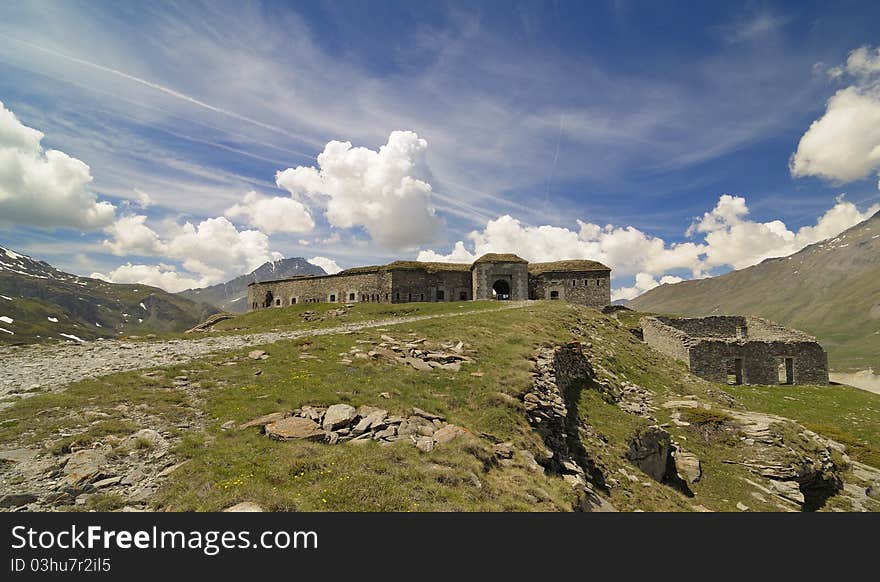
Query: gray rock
[687, 465]
[295, 427]
[425, 444]
[448, 433]
[11, 500]
[426, 415]
[82, 466]
[256, 354]
[228, 425]
[649, 450]
[263, 420]
[338, 415]
[873, 490]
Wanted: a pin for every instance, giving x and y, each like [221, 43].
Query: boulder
[448, 433]
[257, 355]
[426, 415]
[338, 415]
[145, 438]
[295, 427]
[425, 444]
[788, 490]
[687, 465]
[82, 466]
[419, 365]
[372, 421]
[649, 450]
[263, 420]
[873, 490]
[12, 500]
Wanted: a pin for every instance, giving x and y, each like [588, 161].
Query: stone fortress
[492, 276]
[739, 349]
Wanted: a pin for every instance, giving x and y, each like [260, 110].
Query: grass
[843, 413]
[229, 466]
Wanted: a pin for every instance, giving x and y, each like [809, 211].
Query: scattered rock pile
[308, 316]
[419, 354]
[131, 468]
[554, 371]
[341, 423]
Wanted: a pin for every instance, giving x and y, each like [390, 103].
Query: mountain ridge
[40, 302]
[229, 296]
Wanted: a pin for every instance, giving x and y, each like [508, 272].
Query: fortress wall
[486, 274]
[590, 288]
[420, 285]
[666, 339]
[720, 326]
[354, 288]
[712, 359]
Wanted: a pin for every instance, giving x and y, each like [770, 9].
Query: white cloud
[328, 265]
[627, 249]
[729, 240]
[844, 144]
[272, 215]
[44, 188]
[130, 235]
[212, 251]
[163, 276]
[644, 282]
[732, 240]
[383, 191]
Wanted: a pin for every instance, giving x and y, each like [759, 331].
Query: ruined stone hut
[739, 349]
[492, 276]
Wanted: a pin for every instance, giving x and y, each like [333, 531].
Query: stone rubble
[340, 423]
[418, 354]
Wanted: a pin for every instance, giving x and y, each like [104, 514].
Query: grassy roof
[500, 258]
[566, 267]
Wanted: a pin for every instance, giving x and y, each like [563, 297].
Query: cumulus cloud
[383, 191]
[644, 282]
[212, 251]
[729, 239]
[844, 144]
[271, 215]
[732, 240]
[329, 265]
[627, 249]
[41, 188]
[163, 276]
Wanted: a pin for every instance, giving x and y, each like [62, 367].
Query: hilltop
[39, 302]
[482, 406]
[830, 289]
[230, 296]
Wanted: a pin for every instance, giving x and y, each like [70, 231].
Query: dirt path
[40, 368]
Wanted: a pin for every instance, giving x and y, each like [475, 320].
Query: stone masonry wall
[486, 274]
[590, 288]
[419, 285]
[666, 339]
[761, 360]
[354, 288]
[713, 356]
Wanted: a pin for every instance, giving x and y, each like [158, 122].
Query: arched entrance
[501, 290]
[269, 297]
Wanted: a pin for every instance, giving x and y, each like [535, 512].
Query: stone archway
[501, 290]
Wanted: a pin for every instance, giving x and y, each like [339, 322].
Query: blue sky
[515, 116]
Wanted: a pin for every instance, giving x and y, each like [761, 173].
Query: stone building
[492, 276]
[739, 349]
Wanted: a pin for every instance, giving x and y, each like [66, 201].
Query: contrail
[157, 87]
[555, 159]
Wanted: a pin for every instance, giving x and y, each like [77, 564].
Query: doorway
[735, 372]
[786, 370]
[501, 290]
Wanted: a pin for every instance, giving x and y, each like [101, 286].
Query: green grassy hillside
[45, 304]
[196, 407]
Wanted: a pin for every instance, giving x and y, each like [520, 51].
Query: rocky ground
[38, 368]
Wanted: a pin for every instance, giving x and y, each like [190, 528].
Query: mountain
[39, 302]
[830, 289]
[230, 296]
